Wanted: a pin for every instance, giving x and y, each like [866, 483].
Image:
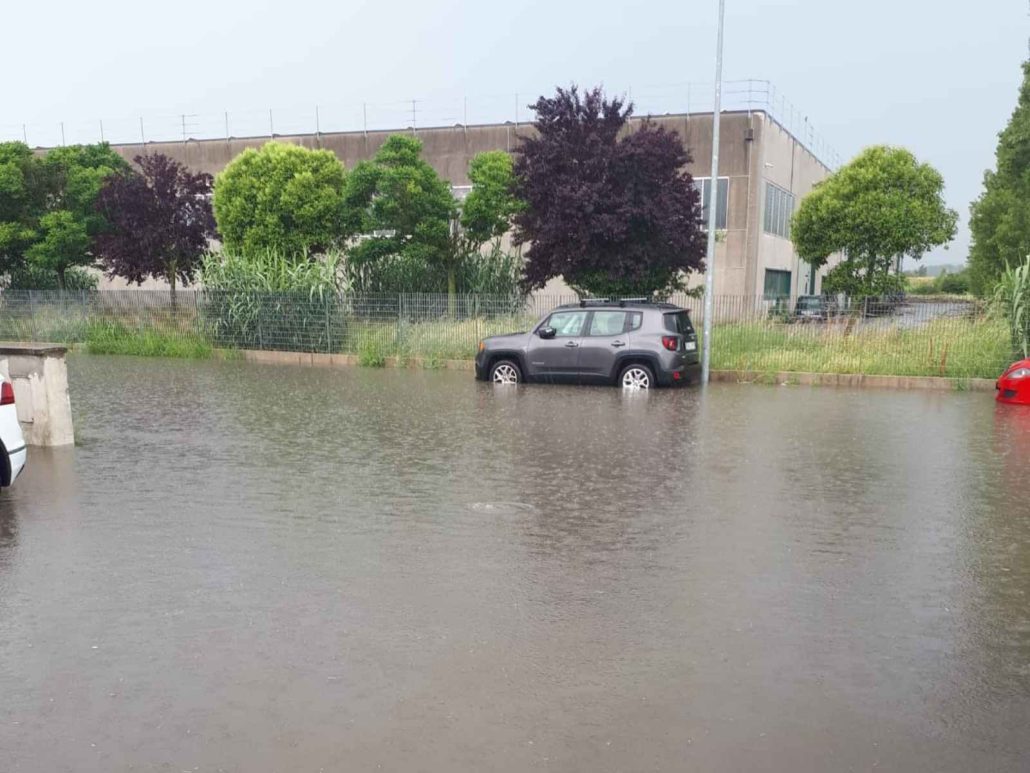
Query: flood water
[257, 568]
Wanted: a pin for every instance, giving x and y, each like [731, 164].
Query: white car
[12, 442]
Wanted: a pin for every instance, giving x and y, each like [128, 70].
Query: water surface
[258, 568]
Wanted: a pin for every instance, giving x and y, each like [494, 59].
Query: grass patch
[957, 348]
[115, 338]
[431, 341]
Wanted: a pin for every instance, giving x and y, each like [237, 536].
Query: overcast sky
[940, 78]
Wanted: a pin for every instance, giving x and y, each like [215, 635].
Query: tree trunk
[171, 274]
[452, 292]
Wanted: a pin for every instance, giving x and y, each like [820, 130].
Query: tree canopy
[612, 212]
[1000, 219]
[490, 207]
[159, 220]
[22, 198]
[282, 198]
[48, 216]
[881, 206]
[401, 207]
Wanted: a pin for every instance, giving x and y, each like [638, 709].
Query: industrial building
[764, 171]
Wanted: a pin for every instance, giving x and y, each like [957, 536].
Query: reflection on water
[259, 568]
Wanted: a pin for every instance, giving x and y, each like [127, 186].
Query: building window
[777, 284]
[703, 185]
[779, 207]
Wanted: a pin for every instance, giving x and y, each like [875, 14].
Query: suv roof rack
[620, 302]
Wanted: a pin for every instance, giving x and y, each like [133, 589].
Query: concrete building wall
[787, 163]
[753, 148]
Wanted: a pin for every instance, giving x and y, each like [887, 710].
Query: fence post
[328, 326]
[32, 315]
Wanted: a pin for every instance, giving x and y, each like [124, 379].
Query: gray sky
[940, 78]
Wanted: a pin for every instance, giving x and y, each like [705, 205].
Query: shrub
[953, 284]
[33, 277]
[282, 197]
[496, 272]
[372, 352]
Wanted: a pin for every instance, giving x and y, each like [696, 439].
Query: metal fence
[897, 336]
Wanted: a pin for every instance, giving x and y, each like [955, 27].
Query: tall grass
[959, 348]
[1012, 303]
[271, 301]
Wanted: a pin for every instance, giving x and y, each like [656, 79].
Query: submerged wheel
[636, 377]
[505, 372]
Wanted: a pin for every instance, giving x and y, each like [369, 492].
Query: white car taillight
[6, 393]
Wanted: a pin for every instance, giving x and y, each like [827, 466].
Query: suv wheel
[636, 376]
[505, 372]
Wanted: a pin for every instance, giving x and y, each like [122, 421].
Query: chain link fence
[897, 336]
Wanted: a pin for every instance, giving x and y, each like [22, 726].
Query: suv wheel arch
[631, 358]
[508, 355]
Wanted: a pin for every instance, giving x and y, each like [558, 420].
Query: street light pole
[713, 205]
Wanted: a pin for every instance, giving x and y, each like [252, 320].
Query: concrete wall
[787, 163]
[40, 378]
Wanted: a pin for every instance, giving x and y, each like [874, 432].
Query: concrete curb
[855, 380]
[338, 360]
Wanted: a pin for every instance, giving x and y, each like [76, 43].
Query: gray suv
[635, 344]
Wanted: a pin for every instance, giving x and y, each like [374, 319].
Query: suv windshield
[679, 322]
[810, 303]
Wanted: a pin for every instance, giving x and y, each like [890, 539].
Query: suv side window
[607, 323]
[678, 322]
[634, 320]
[568, 324]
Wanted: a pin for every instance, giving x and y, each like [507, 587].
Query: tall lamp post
[713, 205]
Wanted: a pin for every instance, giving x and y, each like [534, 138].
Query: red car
[1014, 385]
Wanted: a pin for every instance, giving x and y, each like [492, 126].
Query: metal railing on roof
[410, 115]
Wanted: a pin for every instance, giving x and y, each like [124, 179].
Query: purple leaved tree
[159, 222]
[612, 211]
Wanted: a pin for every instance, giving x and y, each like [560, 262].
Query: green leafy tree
[282, 198]
[21, 203]
[488, 210]
[412, 226]
[48, 216]
[403, 209]
[880, 207]
[1000, 219]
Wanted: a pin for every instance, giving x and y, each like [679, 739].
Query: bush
[282, 197]
[494, 273]
[271, 302]
[953, 284]
[32, 277]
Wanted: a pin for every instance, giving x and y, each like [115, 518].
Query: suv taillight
[6, 394]
[672, 343]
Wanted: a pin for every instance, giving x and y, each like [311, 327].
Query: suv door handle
[618, 343]
[571, 345]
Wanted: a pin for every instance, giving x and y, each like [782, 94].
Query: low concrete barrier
[855, 380]
[39, 375]
[726, 376]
